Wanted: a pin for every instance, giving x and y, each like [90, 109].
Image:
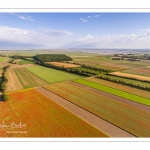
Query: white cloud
[43, 37]
[55, 32]
[88, 37]
[89, 16]
[25, 17]
[83, 20]
[140, 39]
[96, 16]
[46, 37]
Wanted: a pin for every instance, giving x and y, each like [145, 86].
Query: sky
[74, 30]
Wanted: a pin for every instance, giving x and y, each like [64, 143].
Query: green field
[28, 79]
[127, 117]
[52, 75]
[2, 58]
[22, 62]
[116, 92]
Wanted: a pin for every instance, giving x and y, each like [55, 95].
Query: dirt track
[97, 122]
[132, 103]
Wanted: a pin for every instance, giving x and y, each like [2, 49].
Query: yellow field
[65, 65]
[121, 74]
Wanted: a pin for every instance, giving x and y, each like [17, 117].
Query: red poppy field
[28, 113]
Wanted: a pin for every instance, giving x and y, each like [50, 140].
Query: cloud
[96, 16]
[50, 38]
[83, 20]
[55, 32]
[88, 37]
[44, 37]
[141, 39]
[25, 17]
[89, 16]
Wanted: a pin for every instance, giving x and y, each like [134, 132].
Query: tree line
[4, 80]
[82, 70]
[131, 84]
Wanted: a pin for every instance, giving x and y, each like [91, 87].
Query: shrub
[4, 96]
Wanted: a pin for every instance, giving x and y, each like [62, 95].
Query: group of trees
[51, 57]
[20, 57]
[29, 58]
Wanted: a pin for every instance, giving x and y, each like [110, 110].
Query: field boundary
[121, 132]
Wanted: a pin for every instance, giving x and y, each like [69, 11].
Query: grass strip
[113, 91]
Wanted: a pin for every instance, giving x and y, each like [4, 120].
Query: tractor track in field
[117, 98]
[102, 125]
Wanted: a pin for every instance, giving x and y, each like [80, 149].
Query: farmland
[142, 71]
[2, 59]
[119, 68]
[52, 75]
[121, 87]
[127, 80]
[28, 79]
[13, 83]
[121, 74]
[127, 117]
[40, 117]
[21, 62]
[66, 65]
[116, 92]
[97, 106]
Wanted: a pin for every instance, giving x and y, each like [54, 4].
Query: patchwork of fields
[52, 75]
[130, 118]
[126, 108]
[40, 117]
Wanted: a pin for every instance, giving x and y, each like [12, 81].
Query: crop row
[129, 118]
[27, 79]
[52, 75]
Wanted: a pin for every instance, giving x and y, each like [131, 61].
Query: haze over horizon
[74, 30]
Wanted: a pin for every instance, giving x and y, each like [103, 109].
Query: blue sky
[74, 30]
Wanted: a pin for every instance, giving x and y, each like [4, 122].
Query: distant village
[131, 57]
